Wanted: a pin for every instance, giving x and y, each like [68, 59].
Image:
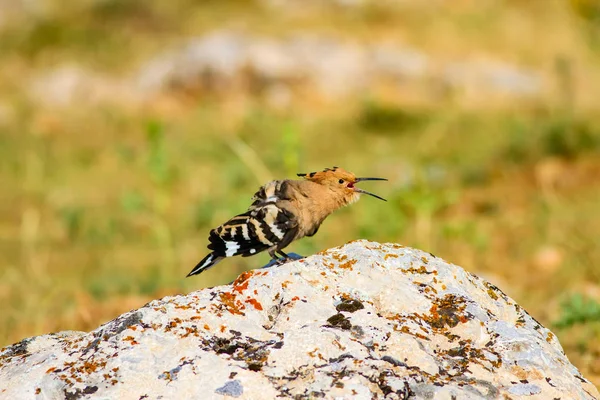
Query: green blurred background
[129, 128]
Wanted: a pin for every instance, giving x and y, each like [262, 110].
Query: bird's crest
[334, 173]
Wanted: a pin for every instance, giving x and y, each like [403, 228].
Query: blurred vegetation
[106, 207]
[578, 310]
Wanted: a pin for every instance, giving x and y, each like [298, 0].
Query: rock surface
[335, 68]
[281, 69]
[365, 320]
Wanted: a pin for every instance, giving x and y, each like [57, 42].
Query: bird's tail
[207, 262]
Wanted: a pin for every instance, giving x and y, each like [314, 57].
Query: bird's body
[282, 211]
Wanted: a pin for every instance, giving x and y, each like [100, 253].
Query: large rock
[365, 320]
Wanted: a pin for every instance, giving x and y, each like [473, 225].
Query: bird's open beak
[369, 193]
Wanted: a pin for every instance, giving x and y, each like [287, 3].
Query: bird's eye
[341, 181]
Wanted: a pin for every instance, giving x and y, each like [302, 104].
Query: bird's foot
[283, 260]
[295, 256]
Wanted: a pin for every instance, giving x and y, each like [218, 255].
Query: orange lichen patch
[346, 296]
[243, 277]
[405, 329]
[348, 264]
[190, 331]
[466, 353]
[420, 270]
[394, 317]
[323, 273]
[206, 327]
[242, 281]
[338, 257]
[446, 312]
[195, 318]
[131, 340]
[430, 289]
[425, 260]
[38, 390]
[89, 367]
[522, 373]
[357, 241]
[240, 288]
[316, 353]
[222, 329]
[492, 294]
[49, 370]
[173, 324]
[295, 298]
[519, 372]
[492, 291]
[285, 284]
[549, 337]
[339, 345]
[231, 304]
[390, 255]
[254, 303]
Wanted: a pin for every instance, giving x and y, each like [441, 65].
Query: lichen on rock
[364, 320]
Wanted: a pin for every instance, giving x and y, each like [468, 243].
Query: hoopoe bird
[283, 211]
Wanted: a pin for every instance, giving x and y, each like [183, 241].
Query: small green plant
[157, 161]
[132, 202]
[588, 10]
[577, 309]
[568, 139]
[72, 219]
[379, 117]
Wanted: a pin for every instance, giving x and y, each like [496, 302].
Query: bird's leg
[283, 254]
[280, 261]
[291, 256]
[273, 255]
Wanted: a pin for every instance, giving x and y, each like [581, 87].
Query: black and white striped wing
[264, 227]
[269, 193]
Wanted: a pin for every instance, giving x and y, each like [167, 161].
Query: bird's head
[341, 183]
